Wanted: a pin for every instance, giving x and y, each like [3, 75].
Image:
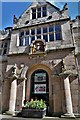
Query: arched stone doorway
[40, 85]
[39, 69]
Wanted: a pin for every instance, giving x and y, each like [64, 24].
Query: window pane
[2, 45]
[21, 34]
[57, 28]
[21, 41]
[32, 38]
[38, 14]
[5, 50]
[27, 32]
[58, 36]
[39, 9]
[33, 15]
[44, 14]
[51, 28]
[45, 37]
[5, 45]
[33, 10]
[45, 30]
[51, 37]
[39, 37]
[33, 32]
[44, 8]
[38, 30]
[27, 41]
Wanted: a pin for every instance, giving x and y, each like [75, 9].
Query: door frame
[30, 71]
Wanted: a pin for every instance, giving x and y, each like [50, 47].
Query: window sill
[37, 53]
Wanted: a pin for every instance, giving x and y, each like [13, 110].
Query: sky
[9, 9]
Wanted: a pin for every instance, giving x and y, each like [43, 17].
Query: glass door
[40, 85]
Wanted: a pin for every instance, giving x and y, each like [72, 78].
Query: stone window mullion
[48, 33]
[41, 11]
[30, 14]
[30, 36]
[24, 41]
[17, 39]
[54, 34]
[36, 13]
[35, 33]
[41, 33]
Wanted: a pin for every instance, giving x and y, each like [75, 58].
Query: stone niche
[37, 46]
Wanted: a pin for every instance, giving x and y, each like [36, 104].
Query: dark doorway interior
[40, 86]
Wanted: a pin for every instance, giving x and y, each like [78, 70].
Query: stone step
[8, 117]
[57, 118]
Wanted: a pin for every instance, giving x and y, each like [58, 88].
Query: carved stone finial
[65, 10]
[15, 20]
[65, 6]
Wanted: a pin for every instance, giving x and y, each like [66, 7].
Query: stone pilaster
[69, 108]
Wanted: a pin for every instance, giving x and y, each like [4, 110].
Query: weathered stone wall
[26, 16]
[55, 52]
[46, 59]
[70, 63]
[66, 41]
[76, 83]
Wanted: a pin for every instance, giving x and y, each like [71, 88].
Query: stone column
[69, 107]
[12, 101]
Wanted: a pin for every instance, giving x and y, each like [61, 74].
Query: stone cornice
[50, 21]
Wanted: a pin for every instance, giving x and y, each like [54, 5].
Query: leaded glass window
[51, 37]
[48, 33]
[38, 30]
[45, 37]
[34, 13]
[27, 40]
[44, 29]
[39, 12]
[44, 11]
[21, 42]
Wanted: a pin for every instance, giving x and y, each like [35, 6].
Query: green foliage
[35, 104]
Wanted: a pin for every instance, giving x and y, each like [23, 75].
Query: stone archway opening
[39, 70]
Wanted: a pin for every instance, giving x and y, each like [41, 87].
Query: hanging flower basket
[35, 109]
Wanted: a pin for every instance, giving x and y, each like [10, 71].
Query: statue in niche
[38, 46]
[34, 49]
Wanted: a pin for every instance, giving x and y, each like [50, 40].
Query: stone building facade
[40, 58]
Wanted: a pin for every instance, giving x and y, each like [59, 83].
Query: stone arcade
[40, 58]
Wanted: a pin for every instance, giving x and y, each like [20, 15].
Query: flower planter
[33, 113]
